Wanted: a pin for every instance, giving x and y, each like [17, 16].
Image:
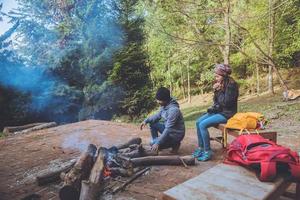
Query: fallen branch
[80, 171]
[162, 160]
[35, 128]
[138, 174]
[52, 175]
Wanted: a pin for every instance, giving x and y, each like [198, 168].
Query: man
[172, 130]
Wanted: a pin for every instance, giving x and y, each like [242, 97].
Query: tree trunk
[257, 79]
[227, 33]
[271, 45]
[80, 171]
[182, 82]
[170, 75]
[257, 74]
[91, 189]
[189, 82]
[163, 160]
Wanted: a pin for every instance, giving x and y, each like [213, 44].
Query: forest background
[72, 60]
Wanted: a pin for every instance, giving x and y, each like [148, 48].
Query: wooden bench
[229, 182]
[268, 134]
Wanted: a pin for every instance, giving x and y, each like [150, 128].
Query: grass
[192, 113]
[267, 105]
[2, 135]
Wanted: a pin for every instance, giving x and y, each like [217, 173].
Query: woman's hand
[217, 86]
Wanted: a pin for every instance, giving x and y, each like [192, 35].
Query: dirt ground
[22, 156]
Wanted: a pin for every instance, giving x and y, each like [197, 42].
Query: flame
[106, 172]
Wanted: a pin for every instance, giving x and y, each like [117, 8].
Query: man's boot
[175, 148]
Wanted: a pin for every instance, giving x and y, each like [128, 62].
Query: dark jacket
[225, 101]
[173, 121]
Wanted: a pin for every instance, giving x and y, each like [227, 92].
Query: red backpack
[256, 151]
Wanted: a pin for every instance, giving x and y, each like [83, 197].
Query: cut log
[130, 142]
[163, 160]
[10, 129]
[80, 171]
[52, 175]
[91, 188]
[36, 128]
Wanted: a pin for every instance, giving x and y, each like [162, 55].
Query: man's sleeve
[153, 118]
[170, 122]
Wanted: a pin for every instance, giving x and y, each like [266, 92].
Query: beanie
[163, 94]
[222, 69]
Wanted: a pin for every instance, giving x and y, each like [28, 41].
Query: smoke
[75, 141]
[30, 80]
[44, 72]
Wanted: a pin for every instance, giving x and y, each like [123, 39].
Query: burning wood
[90, 190]
[87, 179]
[80, 171]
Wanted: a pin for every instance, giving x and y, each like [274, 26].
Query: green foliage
[181, 31]
[130, 70]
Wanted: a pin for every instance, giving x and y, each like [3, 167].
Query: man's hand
[142, 125]
[155, 147]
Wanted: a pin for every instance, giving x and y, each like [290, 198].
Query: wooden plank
[225, 182]
[268, 134]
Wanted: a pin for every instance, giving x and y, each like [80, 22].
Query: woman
[225, 106]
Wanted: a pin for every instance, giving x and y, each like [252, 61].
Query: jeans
[203, 123]
[156, 128]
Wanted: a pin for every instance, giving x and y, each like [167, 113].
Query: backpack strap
[267, 171]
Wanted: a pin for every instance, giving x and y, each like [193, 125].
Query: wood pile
[97, 169]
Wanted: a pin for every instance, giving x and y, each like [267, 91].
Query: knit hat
[163, 94]
[222, 69]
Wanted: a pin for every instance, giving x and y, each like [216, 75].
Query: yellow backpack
[245, 121]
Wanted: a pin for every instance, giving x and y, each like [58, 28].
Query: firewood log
[80, 171]
[162, 160]
[130, 142]
[119, 171]
[52, 175]
[91, 188]
[36, 128]
[140, 153]
[10, 129]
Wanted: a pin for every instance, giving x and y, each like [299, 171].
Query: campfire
[97, 171]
